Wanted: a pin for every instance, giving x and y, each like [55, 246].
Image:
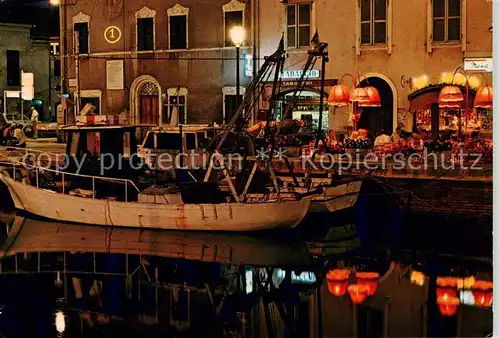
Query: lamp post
[237, 36]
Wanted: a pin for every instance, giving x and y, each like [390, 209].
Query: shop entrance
[306, 107]
[375, 119]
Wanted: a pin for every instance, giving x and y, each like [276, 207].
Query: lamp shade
[339, 96]
[483, 293]
[450, 97]
[337, 281]
[373, 98]
[237, 34]
[484, 97]
[370, 280]
[360, 95]
[448, 305]
[358, 293]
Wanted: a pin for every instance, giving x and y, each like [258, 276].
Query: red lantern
[370, 280]
[360, 95]
[484, 97]
[373, 98]
[339, 96]
[450, 97]
[358, 293]
[446, 287]
[483, 293]
[337, 281]
[448, 305]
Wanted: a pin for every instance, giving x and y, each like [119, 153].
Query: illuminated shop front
[305, 103]
[461, 103]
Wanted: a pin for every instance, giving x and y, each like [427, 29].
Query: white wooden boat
[336, 198]
[329, 198]
[221, 217]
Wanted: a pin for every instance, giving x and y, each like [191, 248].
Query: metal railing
[16, 163]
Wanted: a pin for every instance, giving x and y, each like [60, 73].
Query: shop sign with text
[297, 74]
[478, 64]
[248, 65]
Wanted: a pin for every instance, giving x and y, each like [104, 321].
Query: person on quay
[20, 136]
[34, 122]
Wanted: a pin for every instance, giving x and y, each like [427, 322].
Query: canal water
[72, 280]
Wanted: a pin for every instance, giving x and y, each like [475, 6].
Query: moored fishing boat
[165, 210]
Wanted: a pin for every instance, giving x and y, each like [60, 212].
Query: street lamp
[237, 34]
[54, 2]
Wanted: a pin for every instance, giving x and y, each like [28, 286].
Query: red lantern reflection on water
[370, 280]
[337, 281]
[358, 293]
[448, 305]
[446, 287]
[483, 293]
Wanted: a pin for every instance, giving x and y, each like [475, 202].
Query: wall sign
[296, 74]
[27, 86]
[112, 34]
[114, 74]
[478, 64]
[248, 65]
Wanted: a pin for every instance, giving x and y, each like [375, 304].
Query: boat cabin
[101, 150]
[187, 139]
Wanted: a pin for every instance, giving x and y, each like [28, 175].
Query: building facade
[146, 57]
[397, 46]
[20, 52]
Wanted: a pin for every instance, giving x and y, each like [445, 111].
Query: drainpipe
[50, 83]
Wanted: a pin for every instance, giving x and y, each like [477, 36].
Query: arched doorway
[375, 119]
[149, 97]
[145, 100]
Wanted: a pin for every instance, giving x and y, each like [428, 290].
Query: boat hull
[220, 217]
[336, 198]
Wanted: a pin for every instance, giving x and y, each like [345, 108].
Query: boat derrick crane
[273, 65]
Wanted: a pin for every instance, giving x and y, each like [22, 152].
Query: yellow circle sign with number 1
[112, 34]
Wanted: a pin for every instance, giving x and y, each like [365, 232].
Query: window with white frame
[81, 32]
[233, 16]
[145, 30]
[178, 27]
[298, 25]
[446, 20]
[373, 22]
[176, 101]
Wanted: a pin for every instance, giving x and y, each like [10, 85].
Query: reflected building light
[306, 277]
[467, 298]
[60, 322]
[248, 281]
[417, 278]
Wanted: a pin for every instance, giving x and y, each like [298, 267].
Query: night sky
[40, 14]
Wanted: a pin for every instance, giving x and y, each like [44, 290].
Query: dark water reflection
[98, 282]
